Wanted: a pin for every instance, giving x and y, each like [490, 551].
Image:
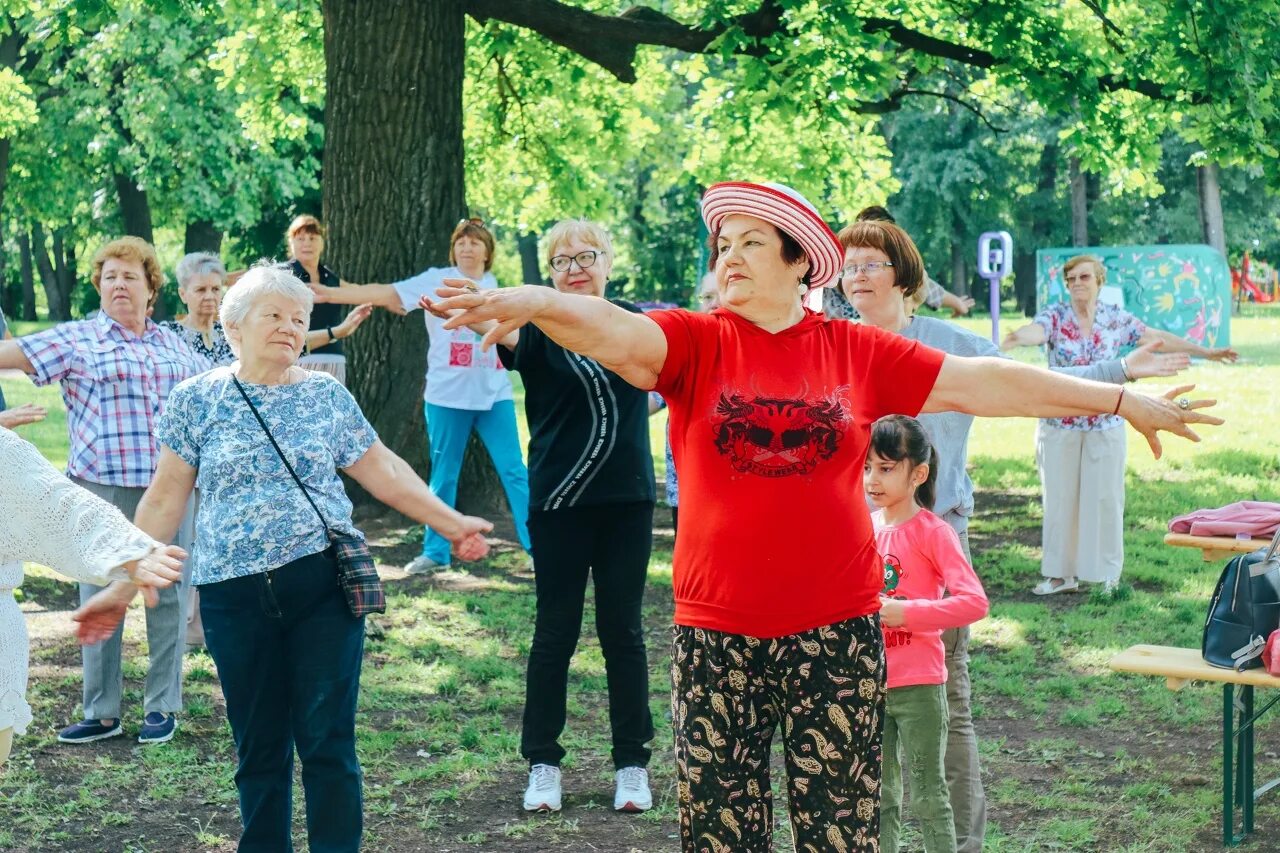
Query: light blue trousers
[448, 431]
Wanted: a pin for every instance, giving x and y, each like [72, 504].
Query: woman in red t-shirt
[770, 408]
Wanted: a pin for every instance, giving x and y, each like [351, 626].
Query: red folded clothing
[1257, 519]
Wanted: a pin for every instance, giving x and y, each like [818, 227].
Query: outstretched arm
[381, 295]
[390, 479]
[631, 345]
[317, 338]
[1173, 343]
[1030, 335]
[997, 387]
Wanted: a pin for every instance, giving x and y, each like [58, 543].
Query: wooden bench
[1215, 548]
[1182, 666]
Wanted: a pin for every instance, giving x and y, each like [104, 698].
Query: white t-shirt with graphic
[459, 374]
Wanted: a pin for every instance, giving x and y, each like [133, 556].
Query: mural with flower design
[1183, 289]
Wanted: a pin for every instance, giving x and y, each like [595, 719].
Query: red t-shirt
[769, 432]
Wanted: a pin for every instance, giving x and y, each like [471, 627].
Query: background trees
[206, 124]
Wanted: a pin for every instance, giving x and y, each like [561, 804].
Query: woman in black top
[306, 245]
[590, 513]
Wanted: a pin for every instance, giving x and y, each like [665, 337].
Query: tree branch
[610, 41]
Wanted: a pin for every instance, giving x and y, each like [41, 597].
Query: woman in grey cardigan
[882, 274]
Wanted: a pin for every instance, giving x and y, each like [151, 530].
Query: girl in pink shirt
[929, 586]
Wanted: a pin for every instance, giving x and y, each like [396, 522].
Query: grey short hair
[200, 263]
[265, 278]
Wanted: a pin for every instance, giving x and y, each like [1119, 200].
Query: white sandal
[1048, 587]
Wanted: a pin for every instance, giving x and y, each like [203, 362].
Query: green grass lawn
[1076, 757]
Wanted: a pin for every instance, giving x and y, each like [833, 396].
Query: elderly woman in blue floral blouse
[276, 622]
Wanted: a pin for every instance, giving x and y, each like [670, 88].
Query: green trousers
[915, 738]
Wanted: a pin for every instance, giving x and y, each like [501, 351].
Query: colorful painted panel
[1185, 290]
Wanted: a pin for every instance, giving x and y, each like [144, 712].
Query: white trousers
[1082, 488]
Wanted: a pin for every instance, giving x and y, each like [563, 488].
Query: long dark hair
[899, 437]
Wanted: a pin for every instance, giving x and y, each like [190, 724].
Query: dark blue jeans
[288, 653]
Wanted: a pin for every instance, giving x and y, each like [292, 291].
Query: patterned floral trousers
[729, 694]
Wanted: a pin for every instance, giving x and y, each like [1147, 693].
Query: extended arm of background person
[481, 329]
[999, 387]
[1173, 343]
[958, 305]
[346, 293]
[317, 338]
[13, 358]
[1145, 361]
[1030, 335]
[390, 479]
[631, 345]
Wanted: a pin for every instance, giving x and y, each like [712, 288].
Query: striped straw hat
[788, 211]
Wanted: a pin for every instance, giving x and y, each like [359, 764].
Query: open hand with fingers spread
[27, 413]
[1172, 412]
[510, 307]
[352, 321]
[1148, 360]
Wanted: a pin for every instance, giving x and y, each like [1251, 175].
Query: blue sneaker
[157, 727]
[87, 731]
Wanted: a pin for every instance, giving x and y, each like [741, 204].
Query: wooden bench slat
[1215, 547]
[1179, 666]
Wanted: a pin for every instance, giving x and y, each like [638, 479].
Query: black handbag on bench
[1244, 610]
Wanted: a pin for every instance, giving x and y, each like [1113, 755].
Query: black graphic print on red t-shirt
[775, 437]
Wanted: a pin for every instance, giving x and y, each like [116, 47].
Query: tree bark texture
[530, 268]
[135, 209]
[393, 190]
[64, 264]
[202, 236]
[1079, 204]
[1040, 233]
[1210, 192]
[28, 276]
[59, 303]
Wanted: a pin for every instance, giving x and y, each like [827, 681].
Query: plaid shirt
[114, 385]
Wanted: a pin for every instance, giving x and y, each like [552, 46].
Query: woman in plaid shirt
[116, 369]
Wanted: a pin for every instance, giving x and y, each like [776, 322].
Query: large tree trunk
[1210, 193]
[393, 189]
[59, 305]
[202, 236]
[1079, 203]
[135, 209]
[64, 264]
[28, 277]
[1024, 263]
[530, 270]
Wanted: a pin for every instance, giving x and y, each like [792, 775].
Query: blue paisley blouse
[253, 517]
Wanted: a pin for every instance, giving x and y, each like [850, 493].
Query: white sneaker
[632, 793]
[543, 793]
[424, 565]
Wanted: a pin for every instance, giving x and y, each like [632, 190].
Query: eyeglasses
[560, 263]
[470, 220]
[870, 268]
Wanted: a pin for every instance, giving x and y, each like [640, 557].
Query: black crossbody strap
[280, 453]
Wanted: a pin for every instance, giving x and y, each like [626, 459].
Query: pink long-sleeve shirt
[923, 559]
